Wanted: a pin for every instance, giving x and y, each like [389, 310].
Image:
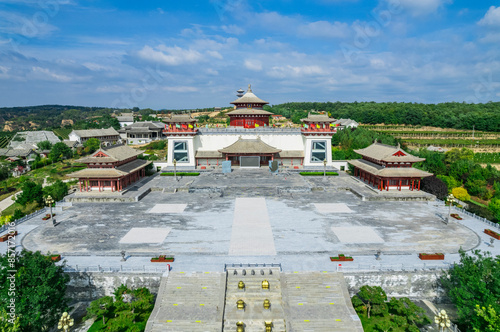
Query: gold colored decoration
[240, 327]
[265, 284]
[269, 326]
[241, 285]
[267, 304]
[240, 304]
[65, 322]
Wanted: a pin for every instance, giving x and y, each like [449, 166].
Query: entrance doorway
[249, 161]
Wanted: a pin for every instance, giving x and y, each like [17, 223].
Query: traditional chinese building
[249, 141]
[111, 169]
[249, 111]
[388, 167]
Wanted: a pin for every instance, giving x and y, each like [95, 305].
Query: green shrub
[318, 173]
[179, 174]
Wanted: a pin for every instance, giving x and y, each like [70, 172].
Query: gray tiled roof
[386, 153]
[317, 118]
[15, 152]
[249, 146]
[115, 153]
[141, 127]
[96, 132]
[31, 138]
[208, 154]
[179, 118]
[249, 111]
[388, 172]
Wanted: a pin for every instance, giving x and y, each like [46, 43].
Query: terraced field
[62, 132]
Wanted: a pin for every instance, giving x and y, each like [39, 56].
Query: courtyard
[260, 218]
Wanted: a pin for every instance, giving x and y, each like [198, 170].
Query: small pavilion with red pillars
[111, 169]
[249, 111]
[388, 167]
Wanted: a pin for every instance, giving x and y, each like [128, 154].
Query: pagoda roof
[179, 118]
[249, 111]
[249, 97]
[112, 154]
[387, 153]
[110, 173]
[317, 118]
[389, 172]
[249, 146]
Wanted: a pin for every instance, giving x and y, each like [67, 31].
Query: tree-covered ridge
[485, 117]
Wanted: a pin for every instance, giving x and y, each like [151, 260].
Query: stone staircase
[318, 302]
[189, 302]
[254, 315]
[300, 301]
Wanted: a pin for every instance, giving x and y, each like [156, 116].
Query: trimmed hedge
[179, 174]
[318, 173]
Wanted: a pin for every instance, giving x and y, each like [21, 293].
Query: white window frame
[185, 150]
[313, 150]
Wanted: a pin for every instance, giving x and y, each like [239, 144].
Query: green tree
[32, 192]
[102, 307]
[494, 207]
[374, 299]
[44, 145]
[455, 155]
[57, 190]
[8, 323]
[59, 152]
[475, 280]
[450, 182]
[92, 144]
[40, 288]
[490, 317]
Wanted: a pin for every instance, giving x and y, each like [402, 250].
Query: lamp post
[65, 322]
[49, 201]
[451, 198]
[175, 169]
[324, 167]
[442, 320]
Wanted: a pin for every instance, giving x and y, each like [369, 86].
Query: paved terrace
[252, 223]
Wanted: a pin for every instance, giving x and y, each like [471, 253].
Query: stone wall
[414, 285]
[89, 286]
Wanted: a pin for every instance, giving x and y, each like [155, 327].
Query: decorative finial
[249, 88]
[399, 145]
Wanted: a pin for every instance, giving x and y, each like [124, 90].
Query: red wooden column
[419, 185]
[80, 184]
[399, 184]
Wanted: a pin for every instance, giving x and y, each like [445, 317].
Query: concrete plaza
[261, 218]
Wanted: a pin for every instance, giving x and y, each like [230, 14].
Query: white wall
[191, 151]
[220, 141]
[308, 145]
[74, 137]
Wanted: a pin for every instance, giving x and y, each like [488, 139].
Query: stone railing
[23, 219]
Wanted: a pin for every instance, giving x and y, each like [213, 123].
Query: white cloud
[233, 29]
[254, 65]
[419, 7]
[491, 38]
[215, 54]
[296, 71]
[47, 74]
[324, 29]
[180, 89]
[171, 56]
[492, 17]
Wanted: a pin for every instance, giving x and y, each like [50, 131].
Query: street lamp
[50, 201]
[65, 322]
[442, 320]
[175, 169]
[451, 198]
[324, 167]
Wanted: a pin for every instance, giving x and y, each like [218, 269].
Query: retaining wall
[414, 285]
[89, 286]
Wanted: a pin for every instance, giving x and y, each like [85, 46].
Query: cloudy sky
[197, 53]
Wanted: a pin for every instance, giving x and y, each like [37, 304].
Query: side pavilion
[112, 169]
[385, 166]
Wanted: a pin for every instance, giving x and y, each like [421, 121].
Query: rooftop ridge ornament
[249, 88]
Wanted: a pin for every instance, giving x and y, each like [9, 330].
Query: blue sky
[196, 53]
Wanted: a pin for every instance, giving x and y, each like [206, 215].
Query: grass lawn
[477, 203]
[97, 326]
[369, 324]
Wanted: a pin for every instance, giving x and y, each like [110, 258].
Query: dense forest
[484, 117]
